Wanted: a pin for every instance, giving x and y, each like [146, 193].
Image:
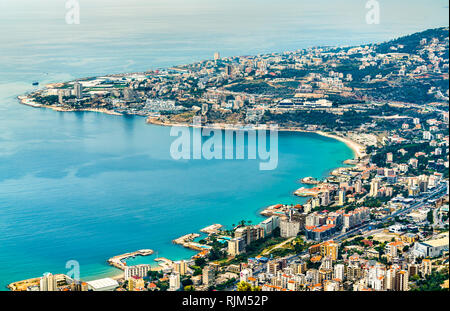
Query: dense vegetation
[432, 282]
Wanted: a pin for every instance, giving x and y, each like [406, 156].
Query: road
[438, 192]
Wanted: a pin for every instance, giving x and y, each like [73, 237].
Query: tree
[216, 254]
[163, 286]
[432, 282]
[430, 217]
[244, 287]
[153, 275]
[298, 247]
[187, 282]
[200, 262]
[197, 270]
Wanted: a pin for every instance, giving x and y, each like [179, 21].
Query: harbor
[187, 241]
[310, 181]
[118, 261]
[213, 229]
[308, 192]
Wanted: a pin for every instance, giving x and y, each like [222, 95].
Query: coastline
[25, 102]
[357, 148]
[354, 146]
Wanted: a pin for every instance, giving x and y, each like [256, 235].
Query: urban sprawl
[378, 224]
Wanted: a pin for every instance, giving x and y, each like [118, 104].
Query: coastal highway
[363, 229]
[436, 193]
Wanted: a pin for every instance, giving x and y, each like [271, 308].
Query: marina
[308, 192]
[310, 181]
[187, 242]
[212, 229]
[118, 261]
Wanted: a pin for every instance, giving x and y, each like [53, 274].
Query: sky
[144, 34]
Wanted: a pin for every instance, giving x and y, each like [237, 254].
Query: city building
[208, 276]
[78, 90]
[289, 228]
[136, 283]
[138, 270]
[236, 246]
[329, 249]
[48, 283]
[103, 285]
[174, 282]
[431, 248]
[180, 267]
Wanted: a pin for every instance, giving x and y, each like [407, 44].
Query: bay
[88, 186]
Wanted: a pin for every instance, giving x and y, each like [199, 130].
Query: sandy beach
[358, 149]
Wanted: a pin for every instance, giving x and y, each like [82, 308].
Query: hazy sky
[117, 18]
[140, 34]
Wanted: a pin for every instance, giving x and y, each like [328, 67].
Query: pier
[275, 210]
[186, 238]
[117, 261]
[212, 229]
[23, 285]
[310, 181]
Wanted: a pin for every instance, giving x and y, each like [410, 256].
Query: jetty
[277, 209]
[186, 238]
[117, 261]
[187, 241]
[21, 286]
[212, 229]
[307, 192]
[310, 181]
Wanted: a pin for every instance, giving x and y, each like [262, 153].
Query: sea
[87, 186]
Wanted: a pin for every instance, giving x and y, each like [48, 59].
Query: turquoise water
[88, 186]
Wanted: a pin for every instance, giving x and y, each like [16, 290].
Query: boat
[35, 83]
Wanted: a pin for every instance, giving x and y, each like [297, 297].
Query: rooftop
[102, 283]
[437, 243]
